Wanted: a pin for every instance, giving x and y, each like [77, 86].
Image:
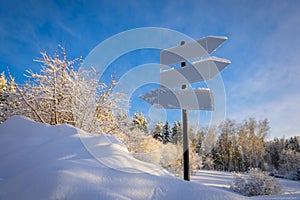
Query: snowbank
[39, 161]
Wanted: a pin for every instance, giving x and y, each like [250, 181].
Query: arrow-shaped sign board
[196, 49]
[202, 70]
[196, 99]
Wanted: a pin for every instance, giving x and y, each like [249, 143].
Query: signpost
[187, 99]
[185, 138]
[196, 72]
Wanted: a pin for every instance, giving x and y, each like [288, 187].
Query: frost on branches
[62, 94]
[256, 183]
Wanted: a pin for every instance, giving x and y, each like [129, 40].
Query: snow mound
[40, 161]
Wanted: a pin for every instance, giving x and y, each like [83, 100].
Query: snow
[213, 58]
[222, 181]
[40, 161]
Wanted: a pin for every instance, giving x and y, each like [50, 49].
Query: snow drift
[39, 161]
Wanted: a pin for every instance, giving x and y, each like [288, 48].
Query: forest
[237, 147]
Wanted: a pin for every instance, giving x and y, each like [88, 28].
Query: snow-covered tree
[3, 83]
[209, 140]
[49, 93]
[251, 139]
[289, 162]
[283, 157]
[157, 133]
[225, 143]
[166, 133]
[238, 159]
[60, 93]
[241, 146]
[140, 121]
[292, 144]
[7, 97]
[177, 132]
[198, 140]
[273, 152]
[3, 97]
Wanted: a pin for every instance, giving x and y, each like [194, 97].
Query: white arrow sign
[196, 49]
[199, 71]
[196, 99]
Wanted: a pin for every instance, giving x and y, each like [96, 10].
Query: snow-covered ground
[39, 161]
[222, 181]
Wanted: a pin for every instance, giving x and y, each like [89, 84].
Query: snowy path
[290, 187]
[222, 181]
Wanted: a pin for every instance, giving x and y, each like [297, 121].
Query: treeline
[242, 146]
[237, 147]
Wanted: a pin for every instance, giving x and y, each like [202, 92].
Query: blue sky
[264, 44]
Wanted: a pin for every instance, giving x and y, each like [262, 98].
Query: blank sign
[196, 49]
[199, 71]
[196, 99]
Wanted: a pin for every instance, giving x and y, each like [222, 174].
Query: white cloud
[269, 85]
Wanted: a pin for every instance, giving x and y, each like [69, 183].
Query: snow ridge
[40, 161]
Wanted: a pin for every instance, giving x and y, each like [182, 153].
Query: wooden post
[186, 165]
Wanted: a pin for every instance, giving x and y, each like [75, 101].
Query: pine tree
[217, 158]
[157, 133]
[274, 149]
[177, 133]
[166, 133]
[292, 144]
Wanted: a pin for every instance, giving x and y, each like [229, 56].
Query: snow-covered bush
[256, 183]
[239, 183]
[208, 163]
[163, 155]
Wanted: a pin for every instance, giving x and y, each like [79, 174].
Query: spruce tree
[157, 133]
[166, 133]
